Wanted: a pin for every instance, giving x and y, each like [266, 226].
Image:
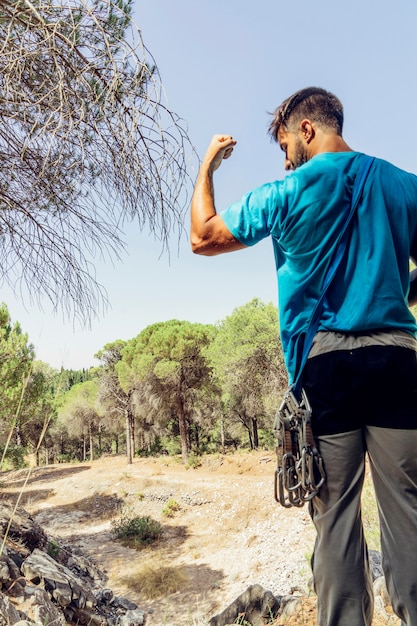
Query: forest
[177, 388]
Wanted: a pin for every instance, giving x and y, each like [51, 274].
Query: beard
[300, 154]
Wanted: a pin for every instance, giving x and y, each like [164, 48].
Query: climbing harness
[299, 473]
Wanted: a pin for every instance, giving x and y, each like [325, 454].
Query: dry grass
[306, 615]
[156, 579]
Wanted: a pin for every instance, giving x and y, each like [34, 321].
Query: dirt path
[229, 532]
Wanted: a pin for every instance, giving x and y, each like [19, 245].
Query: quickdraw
[300, 473]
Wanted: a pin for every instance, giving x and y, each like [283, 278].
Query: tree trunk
[183, 427]
[248, 427]
[90, 437]
[255, 433]
[132, 434]
[222, 434]
[197, 436]
[129, 436]
[128, 439]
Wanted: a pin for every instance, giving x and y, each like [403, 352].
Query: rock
[4, 569]
[105, 596]
[132, 618]
[379, 609]
[45, 590]
[125, 604]
[44, 610]
[17, 589]
[88, 618]
[254, 605]
[375, 562]
[380, 589]
[23, 530]
[8, 614]
[81, 566]
[65, 588]
[290, 605]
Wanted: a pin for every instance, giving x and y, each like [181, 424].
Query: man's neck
[328, 143]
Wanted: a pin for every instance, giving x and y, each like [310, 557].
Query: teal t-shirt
[304, 214]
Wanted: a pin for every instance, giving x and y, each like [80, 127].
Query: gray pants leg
[340, 563]
[393, 460]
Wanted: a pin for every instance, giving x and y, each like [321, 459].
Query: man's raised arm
[209, 234]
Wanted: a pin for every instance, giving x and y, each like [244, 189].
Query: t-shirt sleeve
[254, 216]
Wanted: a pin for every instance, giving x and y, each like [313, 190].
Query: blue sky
[225, 64]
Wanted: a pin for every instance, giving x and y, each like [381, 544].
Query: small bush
[170, 508]
[136, 531]
[193, 461]
[53, 549]
[172, 445]
[267, 439]
[14, 458]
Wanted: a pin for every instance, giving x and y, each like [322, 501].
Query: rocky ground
[227, 534]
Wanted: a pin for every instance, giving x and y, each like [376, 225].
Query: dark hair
[314, 103]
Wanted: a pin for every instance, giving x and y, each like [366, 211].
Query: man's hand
[221, 147]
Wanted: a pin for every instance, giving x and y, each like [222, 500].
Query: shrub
[267, 439]
[136, 531]
[170, 508]
[193, 461]
[172, 445]
[53, 549]
[14, 458]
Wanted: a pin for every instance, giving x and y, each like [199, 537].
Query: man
[361, 375]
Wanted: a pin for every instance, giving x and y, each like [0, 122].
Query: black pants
[372, 386]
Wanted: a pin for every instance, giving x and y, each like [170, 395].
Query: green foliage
[267, 438]
[80, 413]
[13, 457]
[170, 508]
[193, 461]
[136, 531]
[172, 445]
[248, 365]
[53, 549]
[165, 369]
[16, 361]
[186, 388]
[80, 408]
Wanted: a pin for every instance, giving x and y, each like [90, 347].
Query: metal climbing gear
[300, 473]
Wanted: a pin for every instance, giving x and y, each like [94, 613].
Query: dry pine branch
[86, 142]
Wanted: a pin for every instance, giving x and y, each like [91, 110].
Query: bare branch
[86, 143]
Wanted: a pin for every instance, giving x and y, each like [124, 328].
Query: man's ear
[307, 130]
